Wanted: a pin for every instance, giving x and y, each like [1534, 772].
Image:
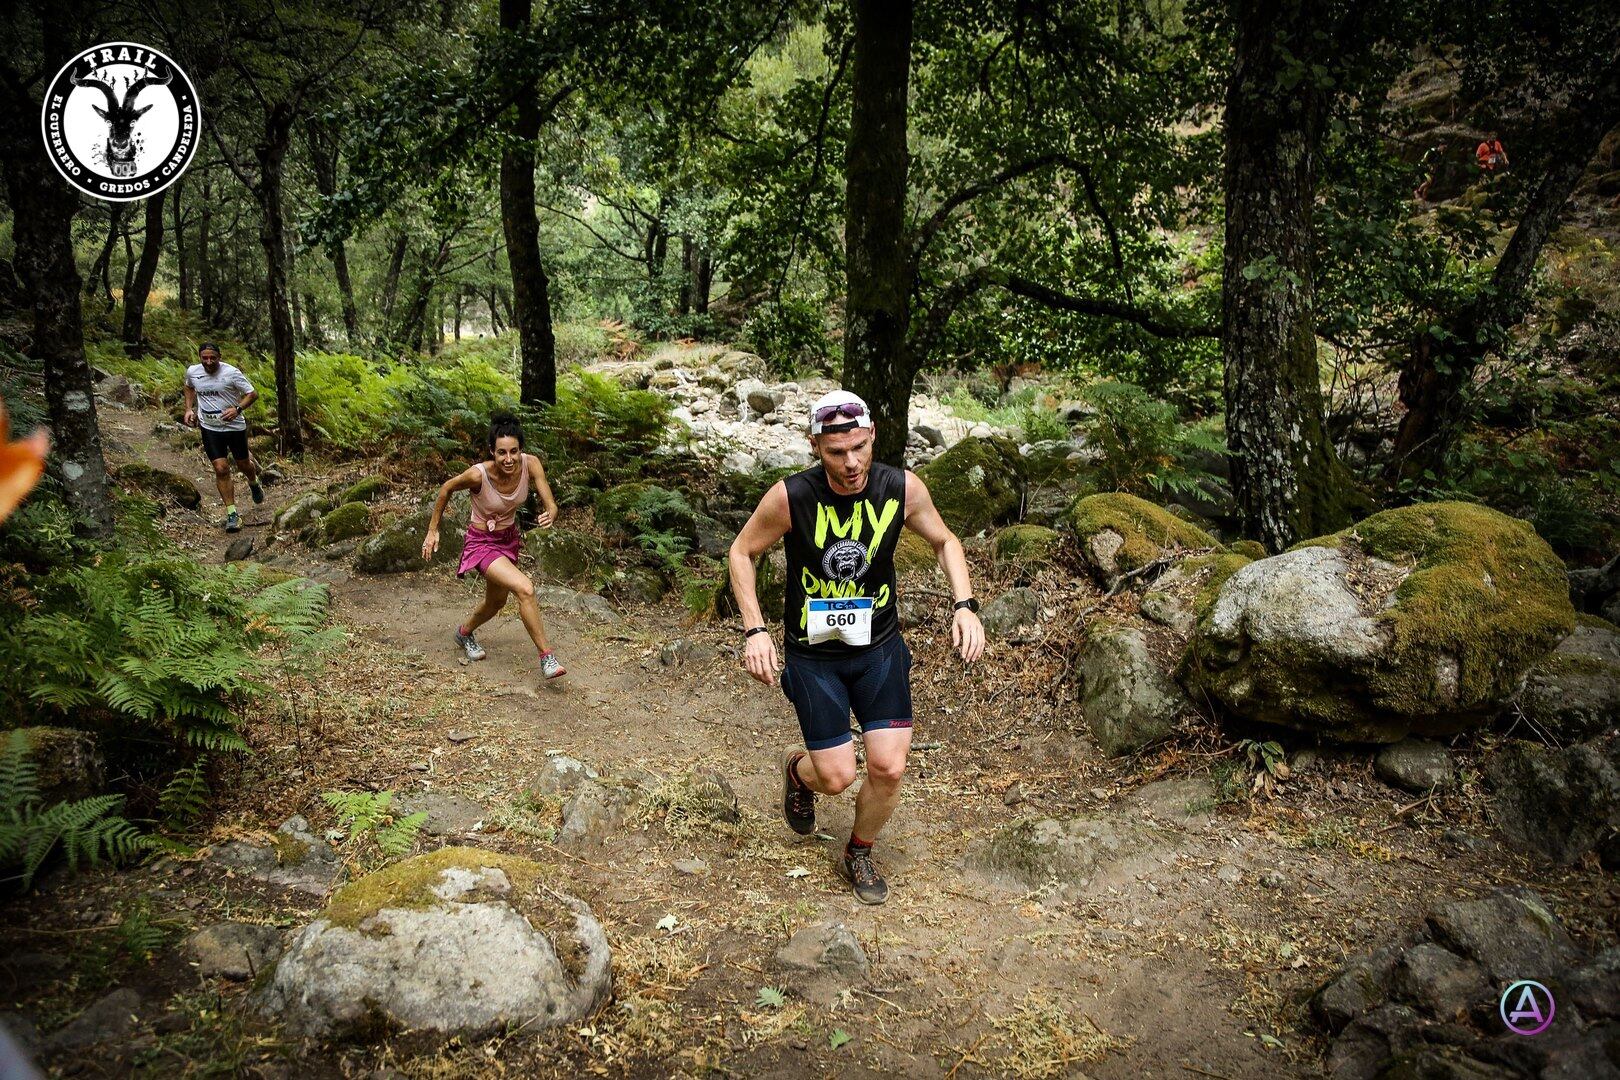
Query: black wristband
[970, 604]
[751, 631]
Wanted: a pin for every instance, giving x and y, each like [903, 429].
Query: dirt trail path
[1192, 951]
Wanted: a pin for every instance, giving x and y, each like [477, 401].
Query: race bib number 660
[849, 620]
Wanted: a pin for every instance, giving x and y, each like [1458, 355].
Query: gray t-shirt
[222, 390]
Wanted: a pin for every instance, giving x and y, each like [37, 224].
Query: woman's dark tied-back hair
[503, 425]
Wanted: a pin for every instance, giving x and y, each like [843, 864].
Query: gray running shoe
[256, 490]
[233, 522]
[470, 646]
[857, 869]
[550, 668]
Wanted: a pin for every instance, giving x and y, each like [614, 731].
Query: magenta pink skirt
[484, 548]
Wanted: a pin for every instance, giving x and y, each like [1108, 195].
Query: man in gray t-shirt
[216, 396]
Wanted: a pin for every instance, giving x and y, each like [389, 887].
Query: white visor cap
[839, 421]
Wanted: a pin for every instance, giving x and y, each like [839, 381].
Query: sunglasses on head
[853, 410]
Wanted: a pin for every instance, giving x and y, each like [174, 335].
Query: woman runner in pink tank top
[498, 487]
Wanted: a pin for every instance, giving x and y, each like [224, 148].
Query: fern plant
[1143, 442]
[88, 830]
[185, 796]
[370, 815]
[157, 640]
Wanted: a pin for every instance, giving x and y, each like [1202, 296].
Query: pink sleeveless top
[492, 511]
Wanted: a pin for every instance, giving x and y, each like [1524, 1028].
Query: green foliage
[347, 400]
[1143, 442]
[598, 421]
[791, 335]
[769, 997]
[185, 796]
[155, 639]
[371, 816]
[88, 830]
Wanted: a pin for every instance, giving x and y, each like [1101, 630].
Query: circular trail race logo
[1527, 1007]
[121, 121]
[845, 560]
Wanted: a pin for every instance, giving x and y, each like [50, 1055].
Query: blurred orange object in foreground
[21, 464]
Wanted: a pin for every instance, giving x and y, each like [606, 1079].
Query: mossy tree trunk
[877, 312]
[1286, 479]
[42, 209]
[141, 287]
[272, 154]
[531, 295]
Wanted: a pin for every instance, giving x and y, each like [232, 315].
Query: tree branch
[1155, 323]
[937, 219]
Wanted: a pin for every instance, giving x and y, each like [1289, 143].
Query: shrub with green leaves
[154, 640]
[88, 830]
[371, 815]
[1144, 443]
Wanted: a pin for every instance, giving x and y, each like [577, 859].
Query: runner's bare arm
[769, 523]
[236, 410]
[537, 475]
[191, 405]
[466, 481]
[922, 518]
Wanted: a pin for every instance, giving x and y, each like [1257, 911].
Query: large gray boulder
[398, 548]
[975, 484]
[1129, 702]
[1575, 693]
[458, 941]
[1422, 620]
[1558, 803]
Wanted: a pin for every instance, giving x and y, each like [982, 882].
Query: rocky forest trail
[1178, 937]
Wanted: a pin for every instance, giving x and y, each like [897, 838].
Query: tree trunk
[300, 335]
[877, 313]
[705, 278]
[1435, 381]
[271, 153]
[459, 293]
[101, 269]
[323, 163]
[42, 209]
[205, 257]
[141, 288]
[182, 263]
[396, 262]
[683, 300]
[313, 332]
[1286, 479]
[531, 298]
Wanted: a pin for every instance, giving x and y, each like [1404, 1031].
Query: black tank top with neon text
[842, 546]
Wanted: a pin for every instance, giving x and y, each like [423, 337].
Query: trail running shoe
[550, 668]
[870, 888]
[470, 646]
[798, 803]
[233, 522]
[258, 492]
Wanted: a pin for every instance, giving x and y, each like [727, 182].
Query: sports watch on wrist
[970, 603]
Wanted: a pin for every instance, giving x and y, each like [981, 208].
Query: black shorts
[876, 684]
[217, 443]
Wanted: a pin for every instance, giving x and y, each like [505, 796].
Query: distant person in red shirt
[1490, 154]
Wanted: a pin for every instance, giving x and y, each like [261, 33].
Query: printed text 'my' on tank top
[841, 547]
[492, 511]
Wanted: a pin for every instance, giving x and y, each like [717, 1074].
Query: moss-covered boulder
[912, 552]
[567, 557]
[1575, 693]
[299, 515]
[166, 487]
[344, 523]
[368, 489]
[1119, 533]
[975, 484]
[1025, 544]
[1421, 620]
[398, 547]
[637, 585]
[457, 941]
[641, 507]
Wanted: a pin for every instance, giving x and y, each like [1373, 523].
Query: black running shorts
[875, 684]
[217, 443]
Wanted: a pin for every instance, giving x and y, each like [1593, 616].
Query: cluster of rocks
[1431, 1004]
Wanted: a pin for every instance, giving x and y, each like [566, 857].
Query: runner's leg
[222, 480]
[886, 753]
[829, 771]
[502, 572]
[495, 595]
[248, 467]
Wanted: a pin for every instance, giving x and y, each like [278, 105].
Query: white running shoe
[550, 668]
[470, 646]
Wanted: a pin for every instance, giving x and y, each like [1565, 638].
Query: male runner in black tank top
[842, 519]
